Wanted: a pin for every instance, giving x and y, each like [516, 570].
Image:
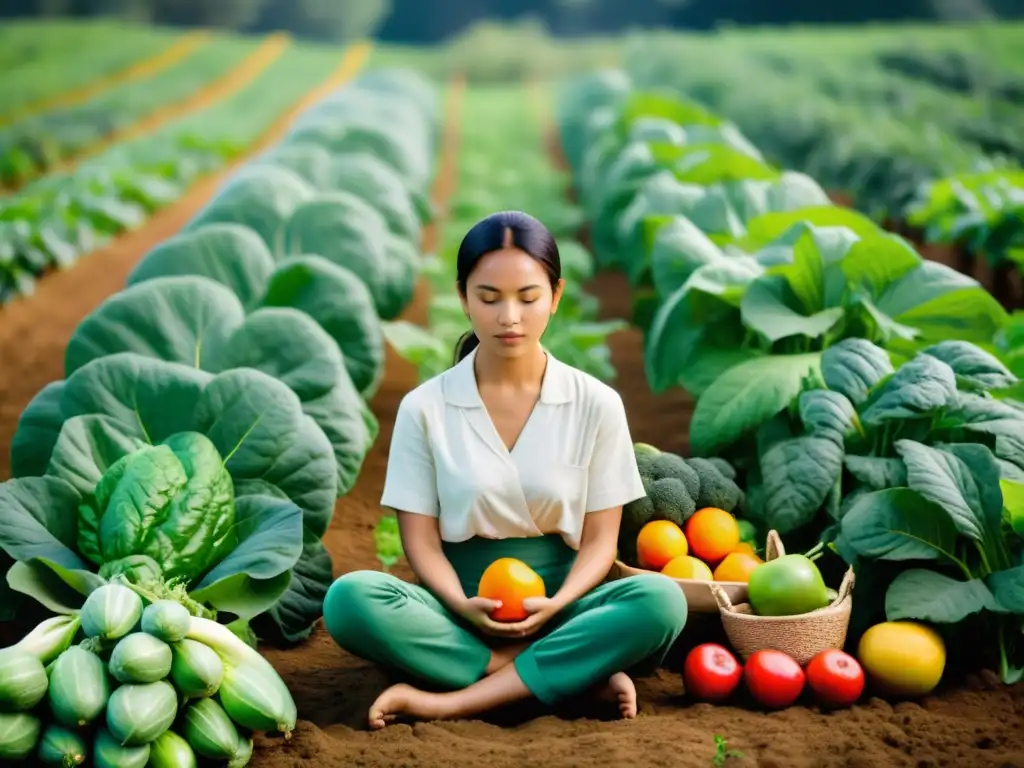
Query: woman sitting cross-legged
[508, 453]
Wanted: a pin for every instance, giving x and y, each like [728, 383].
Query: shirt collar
[460, 388]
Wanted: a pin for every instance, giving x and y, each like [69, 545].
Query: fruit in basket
[748, 549]
[902, 658]
[737, 566]
[835, 677]
[659, 542]
[711, 673]
[712, 533]
[510, 581]
[774, 678]
[787, 586]
[687, 567]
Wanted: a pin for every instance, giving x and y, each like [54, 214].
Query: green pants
[616, 626]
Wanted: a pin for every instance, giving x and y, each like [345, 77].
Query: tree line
[431, 21]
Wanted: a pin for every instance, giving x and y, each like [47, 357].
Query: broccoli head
[723, 466]
[671, 500]
[716, 490]
[667, 499]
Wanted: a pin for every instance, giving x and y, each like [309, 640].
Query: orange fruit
[658, 542]
[746, 548]
[737, 566]
[687, 567]
[712, 533]
[511, 581]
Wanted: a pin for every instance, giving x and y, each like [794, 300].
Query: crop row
[46, 65]
[873, 115]
[38, 144]
[213, 410]
[503, 165]
[863, 393]
[54, 221]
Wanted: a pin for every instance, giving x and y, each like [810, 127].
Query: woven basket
[803, 637]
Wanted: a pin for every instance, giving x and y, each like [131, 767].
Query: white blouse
[573, 456]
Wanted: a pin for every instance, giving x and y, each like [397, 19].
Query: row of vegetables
[59, 62]
[53, 221]
[211, 414]
[863, 395]
[904, 133]
[36, 144]
[501, 128]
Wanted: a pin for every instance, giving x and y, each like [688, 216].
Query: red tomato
[774, 678]
[836, 678]
[711, 673]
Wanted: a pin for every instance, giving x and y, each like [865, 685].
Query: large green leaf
[899, 524]
[38, 429]
[962, 479]
[827, 414]
[261, 197]
[918, 388]
[798, 474]
[257, 571]
[972, 365]
[853, 366]
[697, 333]
[195, 321]
[231, 254]
[941, 303]
[934, 597]
[678, 250]
[339, 301]
[745, 397]
[349, 232]
[771, 308]
[38, 519]
[87, 446]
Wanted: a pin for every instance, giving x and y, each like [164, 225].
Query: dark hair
[504, 229]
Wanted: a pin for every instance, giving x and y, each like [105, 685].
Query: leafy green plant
[161, 515]
[76, 429]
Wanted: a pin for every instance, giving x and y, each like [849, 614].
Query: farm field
[252, 269]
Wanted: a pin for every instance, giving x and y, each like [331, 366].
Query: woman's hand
[541, 610]
[477, 611]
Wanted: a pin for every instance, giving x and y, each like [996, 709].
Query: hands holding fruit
[481, 612]
[510, 600]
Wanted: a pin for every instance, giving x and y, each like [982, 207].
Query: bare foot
[402, 699]
[620, 690]
[503, 655]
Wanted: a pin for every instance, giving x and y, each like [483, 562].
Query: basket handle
[724, 603]
[846, 587]
[773, 548]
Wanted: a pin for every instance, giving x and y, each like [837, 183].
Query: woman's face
[509, 301]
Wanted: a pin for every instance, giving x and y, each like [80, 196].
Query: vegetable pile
[148, 685]
[676, 488]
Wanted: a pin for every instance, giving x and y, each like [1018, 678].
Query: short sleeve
[614, 478]
[410, 484]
